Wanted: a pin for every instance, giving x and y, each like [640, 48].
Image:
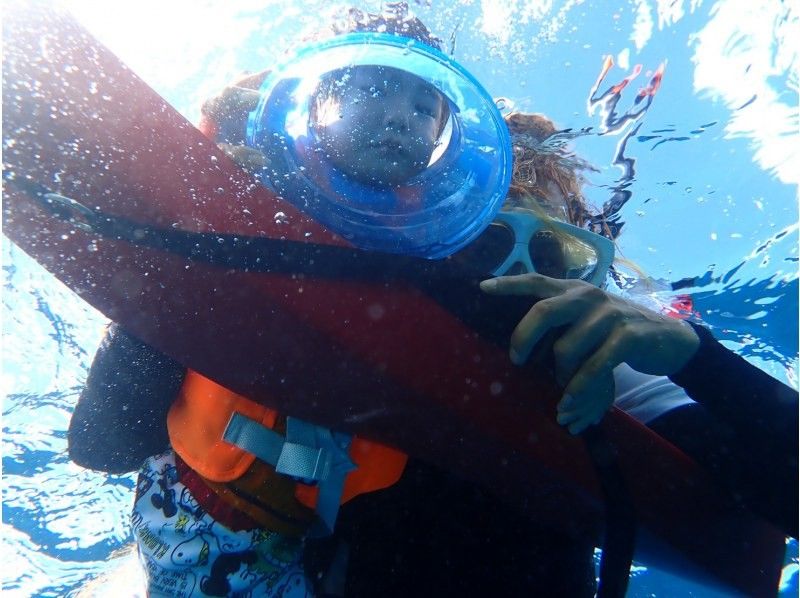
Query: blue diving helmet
[384, 140]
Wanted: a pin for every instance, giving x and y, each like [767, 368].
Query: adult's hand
[596, 332]
[230, 108]
[228, 112]
[248, 158]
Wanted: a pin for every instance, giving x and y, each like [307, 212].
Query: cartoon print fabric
[185, 552]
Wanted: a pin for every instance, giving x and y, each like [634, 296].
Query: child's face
[380, 125]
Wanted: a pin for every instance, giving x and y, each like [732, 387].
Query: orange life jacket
[199, 416]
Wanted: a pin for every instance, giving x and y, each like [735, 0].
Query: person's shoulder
[120, 344]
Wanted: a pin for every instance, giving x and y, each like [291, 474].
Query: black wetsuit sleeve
[120, 417]
[761, 417]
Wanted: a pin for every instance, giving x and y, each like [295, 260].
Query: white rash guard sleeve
[645, 397]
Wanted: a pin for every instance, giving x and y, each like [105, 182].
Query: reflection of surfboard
[171, 240]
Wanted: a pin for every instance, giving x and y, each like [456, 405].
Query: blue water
[703, 181]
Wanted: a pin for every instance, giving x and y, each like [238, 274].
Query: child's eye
[426, 110]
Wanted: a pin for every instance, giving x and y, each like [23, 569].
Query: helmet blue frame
[461, 191]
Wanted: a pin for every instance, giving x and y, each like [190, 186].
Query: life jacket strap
[309, 453]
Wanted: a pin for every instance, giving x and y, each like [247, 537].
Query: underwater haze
[688, 110]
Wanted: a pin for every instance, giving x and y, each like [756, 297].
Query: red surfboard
[168, 237]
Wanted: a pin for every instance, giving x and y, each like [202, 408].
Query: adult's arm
[592, 332]
[739, 392]
[741, 406]
[120, 418]
[762, 414]
[223, 117]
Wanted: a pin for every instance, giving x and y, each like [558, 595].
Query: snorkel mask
[442, 206]
[519, 241]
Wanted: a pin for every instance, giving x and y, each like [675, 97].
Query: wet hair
[395, 19]
[538, 164]
[542, 162]
[536, 167]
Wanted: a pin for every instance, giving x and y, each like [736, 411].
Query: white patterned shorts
[186, 552]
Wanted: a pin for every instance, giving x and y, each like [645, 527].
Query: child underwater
[212, 519]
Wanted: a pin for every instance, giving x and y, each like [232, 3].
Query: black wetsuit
[435, 534]
[743, 429]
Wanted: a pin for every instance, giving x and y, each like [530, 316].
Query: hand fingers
[581, 308]
[542, 317]
[248, 158]
[577, 421]
[578, 412]
[579, 341]
[252, 80]
[552, 311]
[565, 418]
[601, 363]
[526, 284]
[241, 98]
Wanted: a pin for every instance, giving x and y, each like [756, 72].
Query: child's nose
[395, 118]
